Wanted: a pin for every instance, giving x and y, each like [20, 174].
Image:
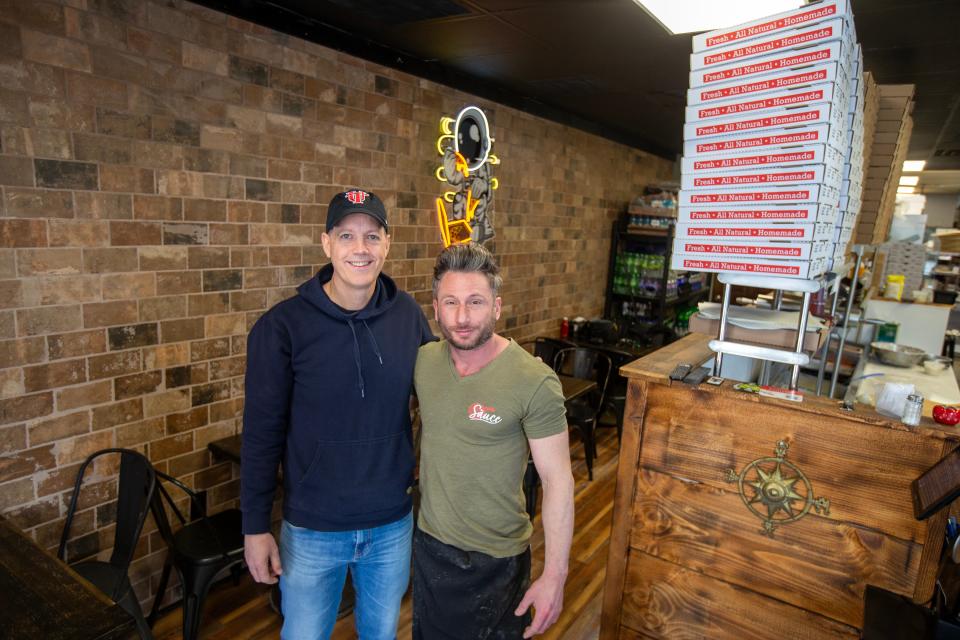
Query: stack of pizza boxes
[766, 182]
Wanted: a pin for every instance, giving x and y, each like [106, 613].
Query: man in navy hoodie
[329, 376]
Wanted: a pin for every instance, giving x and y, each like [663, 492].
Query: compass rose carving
[776, 490]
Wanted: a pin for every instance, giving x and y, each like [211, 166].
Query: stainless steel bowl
[898, 355]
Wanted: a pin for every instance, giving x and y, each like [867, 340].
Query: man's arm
[269, 380]
[551, 456]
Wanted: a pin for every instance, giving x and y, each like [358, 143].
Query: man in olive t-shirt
[486, 404]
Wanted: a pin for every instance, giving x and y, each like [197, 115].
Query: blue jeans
[315, 566]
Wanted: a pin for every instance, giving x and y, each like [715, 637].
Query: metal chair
[546, 348]
[199, 550]
[136, 490]
[582, 413]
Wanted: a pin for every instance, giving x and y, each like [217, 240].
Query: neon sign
[464, 145]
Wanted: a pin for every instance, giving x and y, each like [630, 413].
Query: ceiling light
[703, 15]
[906, 189]
[914, 166]
[909, 181]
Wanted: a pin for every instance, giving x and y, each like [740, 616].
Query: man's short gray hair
[467, 258]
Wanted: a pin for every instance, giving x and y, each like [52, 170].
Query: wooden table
[702, 545]
[41, 597]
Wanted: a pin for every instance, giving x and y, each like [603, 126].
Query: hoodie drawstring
[356, 358]
[373, 341]
[356, 353]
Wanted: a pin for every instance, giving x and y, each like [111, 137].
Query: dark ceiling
[606, 66]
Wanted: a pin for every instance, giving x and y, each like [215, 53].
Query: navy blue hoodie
[327, 392]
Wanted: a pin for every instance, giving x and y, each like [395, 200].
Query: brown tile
[21, 352]
[109, 260]
[135, 233]
[187, 420]
[60, 427]
[38, 203]
[117, 413]
[104, 314]
[180, 330]
[31, 322]
[34, 262]
[137, 384]
[166, 258]
[163, 308]
[169, 447]
[54, 374]
[114, 364]
[72, 345]
[160, 404]
[23, 233]
[129, 336]
[178, 282]
[84, 395]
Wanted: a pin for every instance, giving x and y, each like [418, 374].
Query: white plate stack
[766, 177]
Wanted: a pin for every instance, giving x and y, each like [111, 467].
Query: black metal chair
[583, 413]
[616, 396]
[199, 551]
[136, 490]
[546, 348]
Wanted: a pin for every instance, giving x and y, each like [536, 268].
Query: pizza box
[765, 140]
[814, 193]
[773, 250]
[790, 97]
[806, 232]
[809, 14]
[791, 39]
[801, 174]
[804, 213]
[804, 154]
[758, 266]
[817, 113]
[817, 74]
[837, 51]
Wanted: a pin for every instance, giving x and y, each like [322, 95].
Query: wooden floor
[243, 612]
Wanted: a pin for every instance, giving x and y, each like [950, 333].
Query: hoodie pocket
[360, 477]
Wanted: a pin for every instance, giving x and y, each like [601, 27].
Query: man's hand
[546, 596]
[263, 557]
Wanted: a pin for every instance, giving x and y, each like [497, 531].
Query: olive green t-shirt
[474, 447]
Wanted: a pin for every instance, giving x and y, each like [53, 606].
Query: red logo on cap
[356, 197]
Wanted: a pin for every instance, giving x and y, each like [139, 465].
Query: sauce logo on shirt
[484, 414]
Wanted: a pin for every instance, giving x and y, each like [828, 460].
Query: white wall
[941, 209]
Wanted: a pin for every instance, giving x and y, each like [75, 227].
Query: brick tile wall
[164, 174]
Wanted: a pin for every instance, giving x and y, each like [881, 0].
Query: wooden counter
[696, 553]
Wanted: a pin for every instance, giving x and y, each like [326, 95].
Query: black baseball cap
[355, 201]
